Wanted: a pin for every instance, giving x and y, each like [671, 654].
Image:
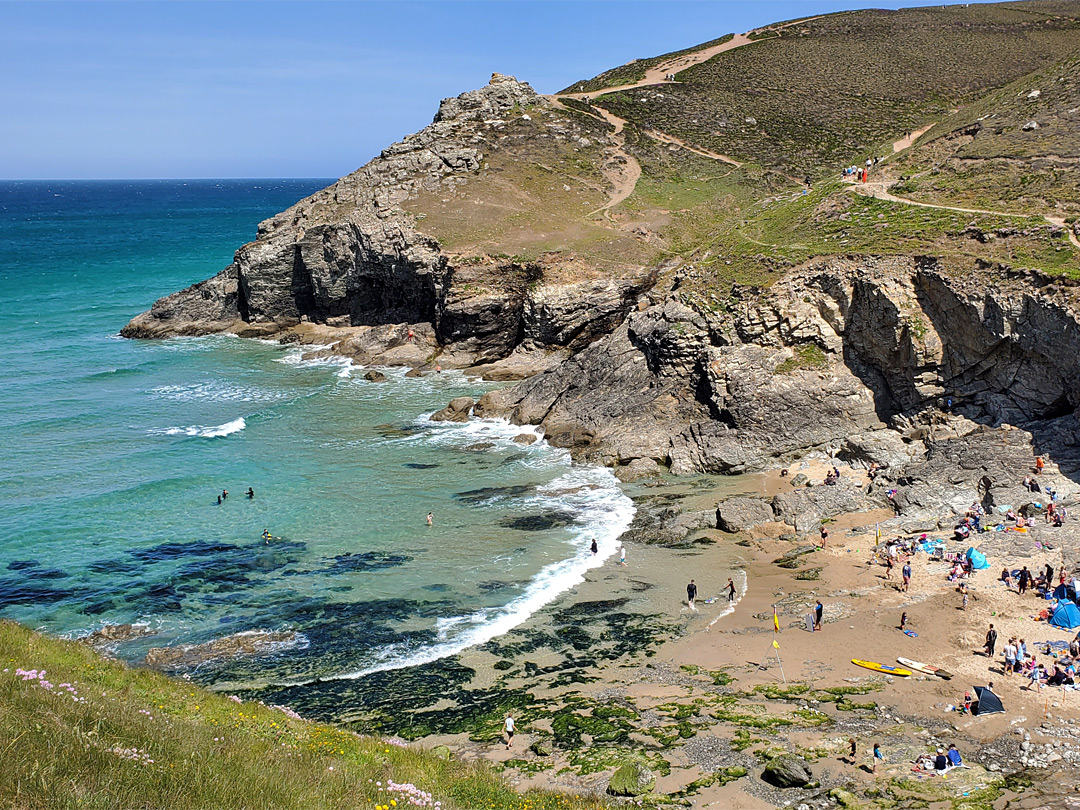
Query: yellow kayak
[874, 665]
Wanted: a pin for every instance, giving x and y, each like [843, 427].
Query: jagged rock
[787, 771]
[375, 376]
[413, 373]
[800, 480]
[739, 514]
[806, 508]
[457, 411]
[631, 779]
[524, 438]
[637, 469]
[187, 656]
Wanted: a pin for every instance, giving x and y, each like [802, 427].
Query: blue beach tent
[1066, 615]
[978, 559]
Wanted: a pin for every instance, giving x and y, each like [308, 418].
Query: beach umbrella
[977, 558]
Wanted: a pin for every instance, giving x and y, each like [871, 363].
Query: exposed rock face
[739, 514]
[186, 656]
[457, 411]
[351, 256]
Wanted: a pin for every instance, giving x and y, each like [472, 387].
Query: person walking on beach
[824, 537]
[622, 556]
[906, 570]
[691, 594]
[903, 620]
[730, 590]
[593, 548]
[991, 641]
[851, 742]
[508, 724]
[819, 612]
[878, 756]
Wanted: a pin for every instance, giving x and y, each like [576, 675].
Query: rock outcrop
[353, 256]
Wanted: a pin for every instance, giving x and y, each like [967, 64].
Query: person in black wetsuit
[251, 494]
[691, 594]
[593, 548]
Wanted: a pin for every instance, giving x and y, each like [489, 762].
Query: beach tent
[986, 702]
[978, 559]
[1066, 615]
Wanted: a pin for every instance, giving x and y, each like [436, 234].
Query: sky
[300, 89]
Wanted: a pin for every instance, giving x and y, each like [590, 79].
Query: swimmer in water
[251, 494]
[430, 518]
[224, 494]
[593, 547]
[219, 500]
[266, 536]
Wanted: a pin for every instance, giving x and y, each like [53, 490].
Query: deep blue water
[113, 453]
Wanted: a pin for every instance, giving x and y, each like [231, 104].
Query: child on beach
[878, 756]
[851, 742]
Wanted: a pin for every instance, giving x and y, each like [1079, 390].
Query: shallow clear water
[114, 451]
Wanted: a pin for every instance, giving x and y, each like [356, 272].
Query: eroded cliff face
[353, 255]
[887, 360]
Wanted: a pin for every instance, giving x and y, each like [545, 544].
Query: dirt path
[905, 143]
[663, 137]
[879, 190]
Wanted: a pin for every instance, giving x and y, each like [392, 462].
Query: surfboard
[911, 634]
[888, 670]
[926, 669]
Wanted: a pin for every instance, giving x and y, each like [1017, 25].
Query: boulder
[524, 438]
[542, 748]
[739, 514]
[112, 633]
[787, 771]
[637, 469]
[441, 751]
[457, 411]
[375, 376]
[631, 779]
[413, 373]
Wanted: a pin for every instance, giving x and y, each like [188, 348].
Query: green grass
[783, 103]
[805, 357]
[134, 738]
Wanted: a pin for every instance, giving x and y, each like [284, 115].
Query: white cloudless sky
[299, 89]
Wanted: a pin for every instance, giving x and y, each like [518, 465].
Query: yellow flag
[777, 646]
[775, 622]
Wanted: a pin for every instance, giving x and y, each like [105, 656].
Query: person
[593, 548]
[967, 702]
[824, 537]
[622, 556]
[251, 494]
[1021, 653]
[851, 742]
[219, 500]
[888, 567]
[1023, 580]
[430, 518]
[878, 756]
[691, 594]
[1036, 676]
[266, 536]
[954, 757]
[1010, 656]
[903, 620]
[1039, 464]
[963, 595]
[1049, 576]
[224, 494]
[1006, 577]
[819, 612]
[941, 762]
[730, 590]
[991, 641]
[907, 575]
[508, 724]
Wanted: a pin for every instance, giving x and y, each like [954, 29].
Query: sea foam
[203, 432]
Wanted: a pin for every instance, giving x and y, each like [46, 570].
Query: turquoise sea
[114, 453]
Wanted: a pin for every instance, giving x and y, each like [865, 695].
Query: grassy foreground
[77, 730]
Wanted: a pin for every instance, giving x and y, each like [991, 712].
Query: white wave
[215, 432]
[300, 356]
[217, 391]
[739, 594]
[603, 512]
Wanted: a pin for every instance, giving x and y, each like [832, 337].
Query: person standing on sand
[819, 612]
[903, 620]
[622, 556]
[851, 742]
[991, 641]
[508, 724]
[691, 594]
[878, 756]
[824, 537]
[906, 570]
[730, 590]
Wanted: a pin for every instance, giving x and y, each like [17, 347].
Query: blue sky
[299, 89]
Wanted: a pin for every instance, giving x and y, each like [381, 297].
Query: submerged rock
[375, 376]
[186, 656]
[112, 633]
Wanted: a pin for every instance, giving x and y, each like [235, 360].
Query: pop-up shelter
[977, 558]
[986, 702]
[1066, 615]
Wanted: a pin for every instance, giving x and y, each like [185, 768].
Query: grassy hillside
[830, 90]
[634, 71]
[81, 731]
[989, 155]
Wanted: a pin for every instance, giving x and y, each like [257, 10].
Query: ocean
[115, 452]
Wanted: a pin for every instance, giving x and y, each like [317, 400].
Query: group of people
[1025, 580]
[941, 762]
[1022, 660]
[692, 591]
[224, 496]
